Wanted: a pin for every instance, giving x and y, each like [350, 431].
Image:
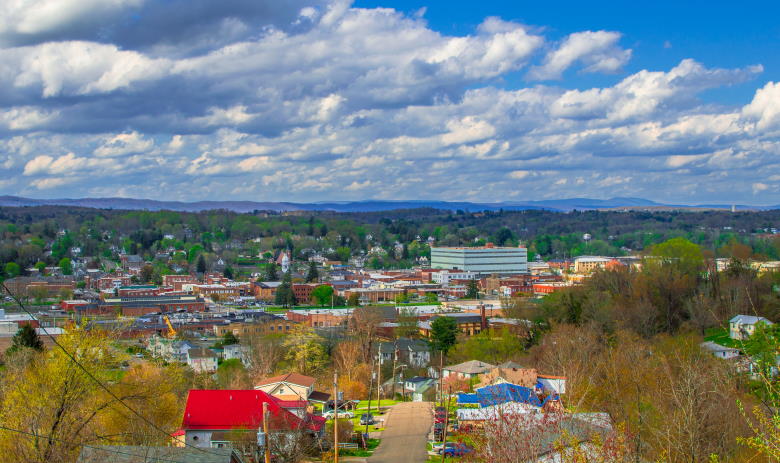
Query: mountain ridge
[562, 205]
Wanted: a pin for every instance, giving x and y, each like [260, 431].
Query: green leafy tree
[201, 265]
[41, 266]
[146, 274]
[12, 270]
[353, 300]
[678, 253]
[431, 297]
[66, 266]
[444, 333]
[322, 294]
[229, 338]
[312, 274]
[26, 337]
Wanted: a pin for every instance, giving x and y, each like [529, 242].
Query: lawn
[371, 445]
[721, 336]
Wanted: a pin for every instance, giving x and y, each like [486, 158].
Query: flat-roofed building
[484, 260]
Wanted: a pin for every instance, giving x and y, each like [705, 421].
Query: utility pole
[446, 425]
[378, 385]
[335, 418]
[267, 450]
[370, 387]
[393, 374]
[441, 378]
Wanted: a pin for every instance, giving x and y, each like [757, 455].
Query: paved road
[406, 434]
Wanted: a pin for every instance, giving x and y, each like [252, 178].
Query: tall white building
[484, 260]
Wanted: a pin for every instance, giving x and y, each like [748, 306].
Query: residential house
[719, 351]
[467, 370]
[415, 353]
[237, 351]
[521, 376]
[146, 454]
[215, 418]
[420, 388]
[742, 327]
[170, 350]
[292, 386]
[202, 360]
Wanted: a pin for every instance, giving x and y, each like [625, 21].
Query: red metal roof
[234, 409]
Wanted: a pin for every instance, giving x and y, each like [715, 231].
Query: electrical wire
[31, 435]
[92, 377]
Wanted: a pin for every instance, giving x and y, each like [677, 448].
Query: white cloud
[328, 101]
[598, 50]
[124, 144]
[765, 107]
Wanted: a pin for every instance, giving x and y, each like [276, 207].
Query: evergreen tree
[472, 291]
[285, 296]
[444, 333]
[201, 265]
[228, 272]
[270, 272]
[313, 274]
[26, 337]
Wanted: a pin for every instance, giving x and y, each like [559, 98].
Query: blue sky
[311, 100]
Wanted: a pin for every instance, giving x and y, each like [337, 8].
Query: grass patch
[371, 445]
[721, 336]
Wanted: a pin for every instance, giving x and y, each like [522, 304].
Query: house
[742, 327]
[292, 386]
[503, 393]
[467, 370]
[170, 350]
[421, 388]
[145, 454]
[413, 352]
[510, 372]
[215, 418]
[236, 351]
[202, 359]
[719, 351]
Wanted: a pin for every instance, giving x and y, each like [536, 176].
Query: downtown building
[484, 260]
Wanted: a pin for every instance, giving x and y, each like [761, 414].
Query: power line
[92, 377]
[101, 449]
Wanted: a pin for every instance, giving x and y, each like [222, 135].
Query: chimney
[483, 319]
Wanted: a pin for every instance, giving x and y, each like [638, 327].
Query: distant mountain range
[562, 205]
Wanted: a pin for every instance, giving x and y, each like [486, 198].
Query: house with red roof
[215, 418]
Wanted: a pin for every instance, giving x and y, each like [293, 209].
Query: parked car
[367, 418]
[342, 414]
[455, 449]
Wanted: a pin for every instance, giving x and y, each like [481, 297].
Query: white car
[342, 414]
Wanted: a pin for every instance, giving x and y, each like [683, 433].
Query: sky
[326, 100]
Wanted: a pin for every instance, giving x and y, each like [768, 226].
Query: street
[406, 434]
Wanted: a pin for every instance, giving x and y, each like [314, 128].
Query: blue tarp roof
[502, 393]
[464, 398]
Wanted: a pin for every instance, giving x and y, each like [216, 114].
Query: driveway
[405, 436]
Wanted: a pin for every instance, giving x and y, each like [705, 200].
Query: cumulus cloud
[597, 50]
[312, 100]
[765, 107]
